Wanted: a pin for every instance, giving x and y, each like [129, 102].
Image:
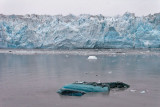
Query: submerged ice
[83, 31]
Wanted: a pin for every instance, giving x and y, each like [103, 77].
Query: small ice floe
[133, 90]
[67, 56]
[143, 92]
[92, 58]
[123, 53]
[110, 72]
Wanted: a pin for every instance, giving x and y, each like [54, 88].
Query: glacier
[79, 32]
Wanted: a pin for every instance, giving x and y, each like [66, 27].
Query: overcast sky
[105, 7]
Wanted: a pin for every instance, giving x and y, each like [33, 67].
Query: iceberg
[81, 88]
[79, 32]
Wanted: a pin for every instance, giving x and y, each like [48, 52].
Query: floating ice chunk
[110, 72]
[79, 89]
[142, 92]
[133, 90]
[67, 56]
[92, 57]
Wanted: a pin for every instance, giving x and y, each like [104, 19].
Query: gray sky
[105, 7]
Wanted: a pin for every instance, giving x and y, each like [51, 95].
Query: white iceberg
[133, 90]
[92, 58]
[143, 92]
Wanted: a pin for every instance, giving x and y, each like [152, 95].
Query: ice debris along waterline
[83, 31]
[81, 88]
[92, 58]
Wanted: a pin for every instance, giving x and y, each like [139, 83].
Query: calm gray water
[32, 80]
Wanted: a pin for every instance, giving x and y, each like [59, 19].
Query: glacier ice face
[83, 31]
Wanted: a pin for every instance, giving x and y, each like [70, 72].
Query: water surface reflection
[32, 80]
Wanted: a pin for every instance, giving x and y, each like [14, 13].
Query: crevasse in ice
[83, 31]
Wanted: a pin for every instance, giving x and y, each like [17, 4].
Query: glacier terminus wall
[79, 32]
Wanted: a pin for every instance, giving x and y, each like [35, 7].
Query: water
[32, 80]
